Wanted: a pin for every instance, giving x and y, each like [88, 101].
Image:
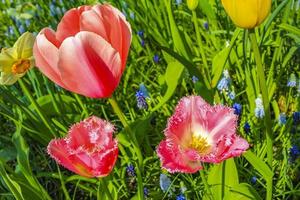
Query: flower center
[200, 144]
[20, 66]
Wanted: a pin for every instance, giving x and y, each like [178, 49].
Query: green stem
[36, 106]
[78, 99]
[104, 184]
[136, 147]
[65, 191]
[266, 103]
[205, 72]
[206, 186]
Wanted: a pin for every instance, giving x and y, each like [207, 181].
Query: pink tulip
[199, 132]
[88, 150]
[87, 54]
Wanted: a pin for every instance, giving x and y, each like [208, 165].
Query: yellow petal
[247, 13]
[8, 78]
[24, 45]
[264, 8]
[7, 58]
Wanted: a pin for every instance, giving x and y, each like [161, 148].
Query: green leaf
[45, 102]
[221, 58]
[242, 191]
[13, 186]
[23, 163]
[258, 164]
[218, 65]
[176, 35]
[222, 177]
[172, 77]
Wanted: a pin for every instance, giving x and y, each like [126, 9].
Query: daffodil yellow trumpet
[17, 60]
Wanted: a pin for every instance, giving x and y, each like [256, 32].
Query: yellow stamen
[20, 66]
[200, 144]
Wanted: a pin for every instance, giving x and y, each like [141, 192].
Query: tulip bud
[192, 4]
[247, 13]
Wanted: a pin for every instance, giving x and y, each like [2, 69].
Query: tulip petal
[89, 58]
[46, 55]
[57, 149]
[92, 21]
[173, 159]
[118, 28]
[264, 10]
[221, 121]
[70, 23]
[188, 114]
[90, 132]
[106, 161]
[242, 12]
[238, 146]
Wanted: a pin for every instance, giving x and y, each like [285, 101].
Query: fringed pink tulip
[87, 54]
[199, 132]
[88, 150]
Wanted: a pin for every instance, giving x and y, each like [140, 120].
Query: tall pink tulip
[87, 54]
[199, 132]
[88, 150]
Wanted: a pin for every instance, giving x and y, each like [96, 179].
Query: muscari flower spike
[259, 109]
[253, 179]
[224, 82]
[180, 197]
[294, 153]
[247, 127]
[16, 61]
[178, 2]
[146, 192]
[296, 118]
[292, 82]
[144, 90]
[206, 26]
[141, 100]
[282, 119]
[195, 79]
[237, 108]
[141, 34]
[231, 95]
[164, 182]
[130, 170]
[156, 59]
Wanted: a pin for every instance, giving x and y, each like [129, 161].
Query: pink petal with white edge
[173, 159]
[89, 58]
[185, 118]
[106, 161]
[238, 146]
[221, 121]
[90, 133]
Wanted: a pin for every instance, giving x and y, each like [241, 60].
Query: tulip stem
[135, 144]
[104, 184]
[207, 188]
[36, 106]
[266, 103]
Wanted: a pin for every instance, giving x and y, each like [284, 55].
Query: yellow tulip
[16, 61]
[192, 4]
[247, 13]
